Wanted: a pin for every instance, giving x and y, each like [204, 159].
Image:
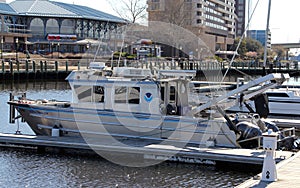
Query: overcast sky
[284, 22]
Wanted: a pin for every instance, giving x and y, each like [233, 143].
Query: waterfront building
[240, 11]
[42, 26]
[214, 21]
[260, 35]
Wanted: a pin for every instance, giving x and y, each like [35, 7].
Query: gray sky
[284, 22]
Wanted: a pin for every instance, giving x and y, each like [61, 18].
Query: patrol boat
[136, 103]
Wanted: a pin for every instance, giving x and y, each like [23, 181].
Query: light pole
[180, 51]
[17, 41]
[2, 47]
[52, 44]
[87, 55]
[112, 59]
[58, 50]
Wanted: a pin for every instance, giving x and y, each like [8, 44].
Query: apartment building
[240, 11]
[214, 21]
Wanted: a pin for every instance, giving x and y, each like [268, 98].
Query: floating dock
[149, 150]
[288, 175]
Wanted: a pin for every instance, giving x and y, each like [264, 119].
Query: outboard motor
[262, 105]
[248, 130]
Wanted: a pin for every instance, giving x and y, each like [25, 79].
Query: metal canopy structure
[33, 20]
[46, 8]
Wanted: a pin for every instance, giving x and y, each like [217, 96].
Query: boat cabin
[283, 93]
[132, 90]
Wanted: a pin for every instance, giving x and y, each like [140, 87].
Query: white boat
[283, 101]
[134, 103]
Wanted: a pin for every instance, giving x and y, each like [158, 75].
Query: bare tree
[178, 13]
[131, 10]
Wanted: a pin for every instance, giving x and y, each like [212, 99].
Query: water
[27, 168]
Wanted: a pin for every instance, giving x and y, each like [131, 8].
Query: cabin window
[84, 93]
[134, 95]
[120, 94]
[98, 94]
[130, 95]
[162, 93]
[277, 95]
[172, 94]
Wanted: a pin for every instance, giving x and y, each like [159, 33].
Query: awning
[90, 41]
[226, 53]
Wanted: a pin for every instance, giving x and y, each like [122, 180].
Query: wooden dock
[150, 150]
[288, 174]
[59, 68]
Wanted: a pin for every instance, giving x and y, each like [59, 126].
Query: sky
[284, 22]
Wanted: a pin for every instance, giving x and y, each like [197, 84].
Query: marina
[136, 103]
[90, 99]
[142, 149]
[63, 168]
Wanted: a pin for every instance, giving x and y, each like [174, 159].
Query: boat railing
[289, 132]
[258, 138]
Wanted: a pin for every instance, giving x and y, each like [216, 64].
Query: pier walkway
[147, 149]
[288, 174]
[49, 68]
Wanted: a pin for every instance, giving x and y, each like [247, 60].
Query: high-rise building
[214, 21]
[260, 35]
[240, 11]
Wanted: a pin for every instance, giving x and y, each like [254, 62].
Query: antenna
[266, 39]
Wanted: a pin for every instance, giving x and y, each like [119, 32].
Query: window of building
[67, 27]
[37, 26]
[155, 6]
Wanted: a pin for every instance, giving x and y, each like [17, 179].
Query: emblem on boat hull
[148, 97]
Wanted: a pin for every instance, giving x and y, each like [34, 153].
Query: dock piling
[269, 167]
[12, 110]
[33, 66]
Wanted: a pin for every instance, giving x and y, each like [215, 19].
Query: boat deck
[150, 150]
[288, 174]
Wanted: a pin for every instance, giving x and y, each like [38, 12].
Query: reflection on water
[27, 168]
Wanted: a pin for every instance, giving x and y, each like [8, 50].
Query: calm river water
[27, 168]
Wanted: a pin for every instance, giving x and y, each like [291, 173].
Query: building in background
[240, 11]
[214, 21]
[43, 25]
[260, 35]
